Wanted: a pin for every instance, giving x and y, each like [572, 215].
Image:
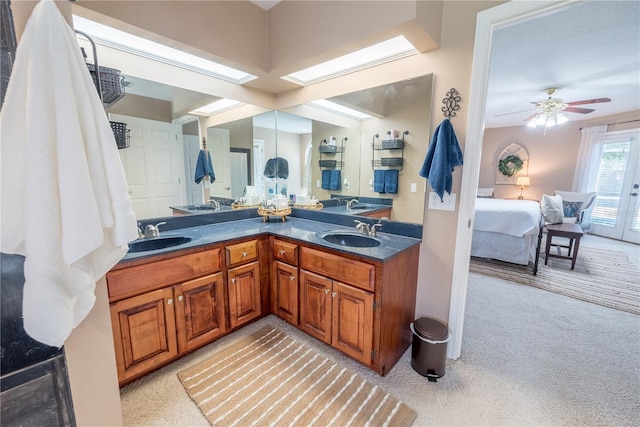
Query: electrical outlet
[318, 184]
[414, 187]
[448, 202]
[346, 184]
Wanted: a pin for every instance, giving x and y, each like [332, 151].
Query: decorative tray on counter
[269, 212]
[243, 206]
[314, 206]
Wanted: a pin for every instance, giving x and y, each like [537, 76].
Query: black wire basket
[121, 133]
[111, 82]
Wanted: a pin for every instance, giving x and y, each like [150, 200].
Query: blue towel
[443, 155]
[378, 180]
[204, 167]
[391, 181]
[326, 177]
[334, 180]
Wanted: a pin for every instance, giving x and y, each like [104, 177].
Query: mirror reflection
[327, 154]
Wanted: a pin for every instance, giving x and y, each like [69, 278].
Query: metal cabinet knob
[244, 254]
[170, 301]
[180, 297]
[293, 277]
[233, 280]
[282, 251]
[326, 291]
[333, 294]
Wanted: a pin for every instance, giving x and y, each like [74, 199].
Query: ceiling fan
[551, 107]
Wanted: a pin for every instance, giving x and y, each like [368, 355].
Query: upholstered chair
[577, 207]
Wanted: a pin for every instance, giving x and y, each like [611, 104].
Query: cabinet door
[315, 305]
[200, 311]
[352, 329]
[285, 290]
[144, 332]
[244, 293]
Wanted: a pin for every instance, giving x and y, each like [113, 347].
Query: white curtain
[584, 179]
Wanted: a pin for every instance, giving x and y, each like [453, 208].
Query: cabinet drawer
[285, 251]
[346, 270]
[242, 252]
[155, 275]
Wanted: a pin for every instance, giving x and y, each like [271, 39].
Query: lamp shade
[523, 180]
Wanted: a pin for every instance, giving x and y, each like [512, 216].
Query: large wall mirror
[161, 159]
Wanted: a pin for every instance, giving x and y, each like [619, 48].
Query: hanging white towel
[65, 205]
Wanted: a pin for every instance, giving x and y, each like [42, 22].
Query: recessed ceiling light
[107, 36]
[340, 109]
[386, 51]
[216, 107]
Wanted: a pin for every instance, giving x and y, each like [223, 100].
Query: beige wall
[143, 107]
[552, 157]
[451, 65]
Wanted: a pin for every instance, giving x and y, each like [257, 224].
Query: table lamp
[522, 181]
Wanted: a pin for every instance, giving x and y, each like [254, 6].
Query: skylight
[216, 107]
[386, 51]
[130, 43]
[337, 108]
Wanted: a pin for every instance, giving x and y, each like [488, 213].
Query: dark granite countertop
[200, 209]
[357, 209]
[303, 230]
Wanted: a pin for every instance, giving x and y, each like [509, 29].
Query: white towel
[65, 205]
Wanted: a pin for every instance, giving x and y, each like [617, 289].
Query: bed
[507, 230]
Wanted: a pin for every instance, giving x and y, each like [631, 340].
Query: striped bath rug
[269, 379]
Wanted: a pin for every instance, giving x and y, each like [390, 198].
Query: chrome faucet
[372, 229]
[363, 227]
[351, 202]
[140, 232]
[152, 230]
[215, 203]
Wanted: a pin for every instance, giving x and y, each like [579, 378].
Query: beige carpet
[601, 277]
[269, 378]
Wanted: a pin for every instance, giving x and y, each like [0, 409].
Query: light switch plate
[447, 204]
[414, 187]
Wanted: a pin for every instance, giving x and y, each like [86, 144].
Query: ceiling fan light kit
[550, 112]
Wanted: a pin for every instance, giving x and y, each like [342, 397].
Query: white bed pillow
[486, 193]
[552, 209]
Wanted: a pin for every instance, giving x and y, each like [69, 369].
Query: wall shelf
[331, 150]
[392, 146]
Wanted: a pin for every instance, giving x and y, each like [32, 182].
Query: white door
[239, 174]
[191, 151]
[258, 166]
[616, 213]
[218, 146]
[154, 166]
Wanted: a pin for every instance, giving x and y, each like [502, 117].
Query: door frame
[486, 22]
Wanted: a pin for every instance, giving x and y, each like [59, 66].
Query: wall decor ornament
[511, 162]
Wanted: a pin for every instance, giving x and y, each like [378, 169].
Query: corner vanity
[167, 301]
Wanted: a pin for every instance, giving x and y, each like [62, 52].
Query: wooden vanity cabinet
[243, 283]
[335, 312]
[144, 332]
[284, 280]
[361, 307]
[200, 311]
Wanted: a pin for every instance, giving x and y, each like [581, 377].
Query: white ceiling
[588, 50]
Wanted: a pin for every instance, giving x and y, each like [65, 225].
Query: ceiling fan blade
[589, 101]
[530, 117]
[515, 112]
[578, 110]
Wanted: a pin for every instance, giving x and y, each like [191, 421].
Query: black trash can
[429, 349]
